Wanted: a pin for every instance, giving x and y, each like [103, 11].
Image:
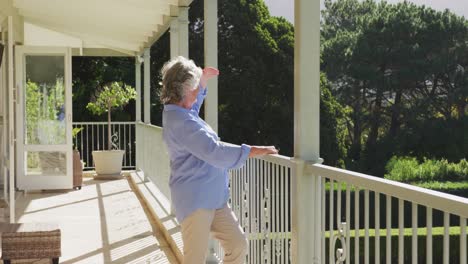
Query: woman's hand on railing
[262, 150]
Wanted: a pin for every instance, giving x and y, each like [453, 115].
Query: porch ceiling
[126, 26]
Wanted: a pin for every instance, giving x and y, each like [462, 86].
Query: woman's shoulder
[178, 119]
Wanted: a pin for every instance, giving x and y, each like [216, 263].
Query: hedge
[410, 170]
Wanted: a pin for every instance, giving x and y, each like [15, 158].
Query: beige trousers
[223, 226]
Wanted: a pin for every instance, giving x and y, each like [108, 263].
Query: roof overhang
[122, 27]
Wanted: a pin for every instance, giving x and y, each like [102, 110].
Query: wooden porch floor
[104, 222]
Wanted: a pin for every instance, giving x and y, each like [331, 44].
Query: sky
[285, 8]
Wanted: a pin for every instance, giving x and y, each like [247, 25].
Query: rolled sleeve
[205, 146]
[245, 151]
[200, 98]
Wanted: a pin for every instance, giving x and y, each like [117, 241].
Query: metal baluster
[250, 211]
[239, 194]
[253, 209]
[356, 225]
[234, 193]
[262, 212]
[429, 235]
[82, 149]
[348, 220]
[130, 147]
[462, 240]
[323, 219]
[283, 214]
[446, 237]
[366, 226]
[330, 228]
[125, 144]
[414, 238]
[388, 238]
[247, 214]
[277, 216]
[105, 142]
[268, 217]
[257, 192]
[341, 253]
[92, 136]
[377, 227]
[288, 213]
[401, 235]
[119, 135]
[241, 200]
[87, 147]
[338, 206]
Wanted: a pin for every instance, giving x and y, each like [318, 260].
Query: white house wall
[38, 36]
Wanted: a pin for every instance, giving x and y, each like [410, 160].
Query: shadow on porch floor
[104, 222]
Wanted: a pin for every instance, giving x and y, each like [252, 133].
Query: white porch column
[183, 32]
[174, 38]
[179, 37]
[306, 224]
[147, 84]
[211, 59]
[138, 89]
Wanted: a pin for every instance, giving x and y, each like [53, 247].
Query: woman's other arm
[208, 73]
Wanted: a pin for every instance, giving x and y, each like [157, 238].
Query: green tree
[111, 96]
[256, 72]
[333, 131]
[384, 64]
[91, 72]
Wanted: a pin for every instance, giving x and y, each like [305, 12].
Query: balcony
[292, 209]
[357, 218]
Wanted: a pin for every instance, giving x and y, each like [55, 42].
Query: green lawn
[434, 185]
[443, 186]
[436, 231]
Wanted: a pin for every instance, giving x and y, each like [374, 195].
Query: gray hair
[179, 75]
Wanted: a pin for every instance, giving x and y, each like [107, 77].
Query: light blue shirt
[199, 160]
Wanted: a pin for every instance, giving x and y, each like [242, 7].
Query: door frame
[9, 132]
[25, 182]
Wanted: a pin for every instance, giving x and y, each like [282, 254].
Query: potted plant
[77, 164]
[108, 163]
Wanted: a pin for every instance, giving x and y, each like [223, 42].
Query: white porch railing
[94, 137]
[262, 199]
[152, 156]
[361, 192]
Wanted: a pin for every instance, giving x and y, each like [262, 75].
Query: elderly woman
[199, 165]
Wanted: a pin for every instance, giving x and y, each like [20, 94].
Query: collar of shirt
[173, 107]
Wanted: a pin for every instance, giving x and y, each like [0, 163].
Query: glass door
[44, 118]
[8, 118]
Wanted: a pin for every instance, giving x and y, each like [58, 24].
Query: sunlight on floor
[103, 222]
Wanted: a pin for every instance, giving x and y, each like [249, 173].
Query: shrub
[408, 169]
[402, 168]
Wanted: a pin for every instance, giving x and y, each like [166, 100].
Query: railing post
[147, 82]
[306, 217]
[138, 60]
[306, 214]
[138, 146]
